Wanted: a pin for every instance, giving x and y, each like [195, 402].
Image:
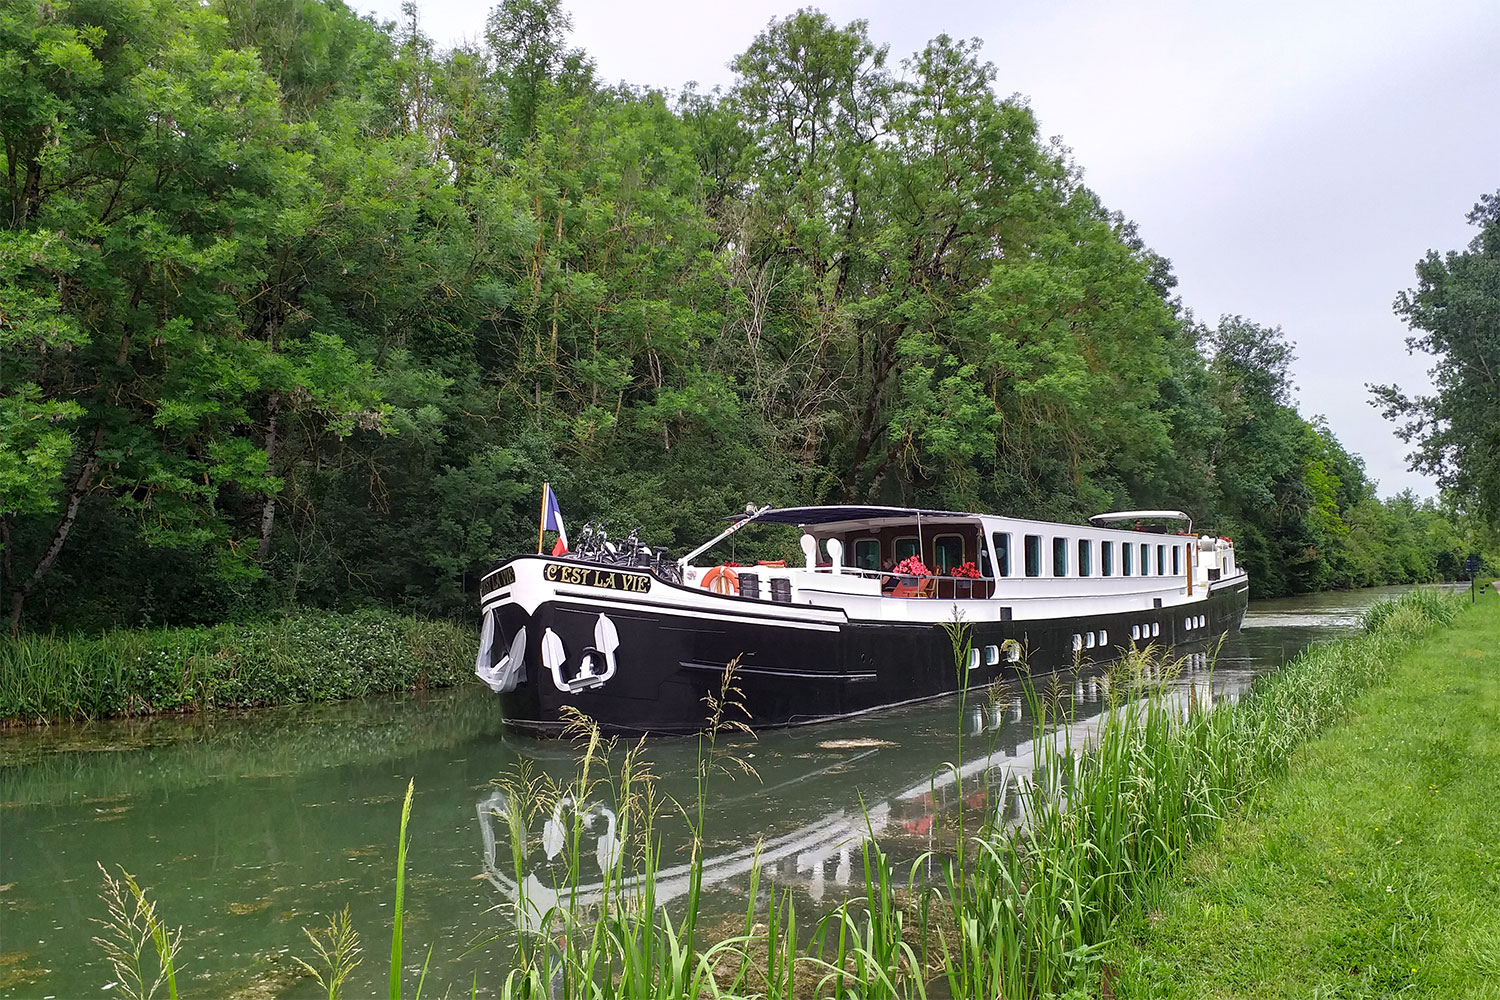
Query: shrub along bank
[304, 656]
[1369, 869]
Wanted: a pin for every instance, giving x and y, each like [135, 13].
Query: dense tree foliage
[296, 309]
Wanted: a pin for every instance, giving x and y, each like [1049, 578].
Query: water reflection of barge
[845, 633]
[907, 798]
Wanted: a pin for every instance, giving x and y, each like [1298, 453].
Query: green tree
[1456, 310]
[162, 158]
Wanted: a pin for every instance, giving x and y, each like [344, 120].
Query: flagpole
[541, 522]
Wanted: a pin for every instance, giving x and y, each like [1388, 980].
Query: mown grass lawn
[1371, 869]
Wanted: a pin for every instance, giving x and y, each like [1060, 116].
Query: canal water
[246, 828]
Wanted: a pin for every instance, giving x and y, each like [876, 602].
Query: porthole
[1103, 637]
[1077, 642]
[1155, 629]
[1088, 640]
[1135, 633]
[991, 655]
[1012, 650]
[973, 659]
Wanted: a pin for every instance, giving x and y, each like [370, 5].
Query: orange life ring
[721, 580]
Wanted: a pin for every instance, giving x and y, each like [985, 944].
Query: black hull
[794, 672]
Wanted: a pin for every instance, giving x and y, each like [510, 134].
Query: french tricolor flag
[552, 520]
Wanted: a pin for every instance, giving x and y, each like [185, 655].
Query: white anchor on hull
[510, 671]
[602, 652]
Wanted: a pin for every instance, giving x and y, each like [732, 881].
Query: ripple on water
[1332, 619]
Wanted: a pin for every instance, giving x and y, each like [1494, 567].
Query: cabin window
[1002, 551]
[867, 553]
[1127, 555]
[905, 547]
[1085, 557]
[1033, 555]
[985, 569]
[947, 553]
[1106, 558]
[1177, 560]
[1145, 560]
[1059, 557]
[1161, 560]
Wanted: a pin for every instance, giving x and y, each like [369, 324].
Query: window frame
[1106, 557]
[896, 555]
[853, 551]
[1033, 544]
[1002, 553]
[1085, 557]
[1060, 547]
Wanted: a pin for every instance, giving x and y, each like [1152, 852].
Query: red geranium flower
[911, 566]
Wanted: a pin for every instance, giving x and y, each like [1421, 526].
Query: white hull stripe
[681, 611]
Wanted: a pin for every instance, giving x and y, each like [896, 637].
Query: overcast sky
[1292, 159]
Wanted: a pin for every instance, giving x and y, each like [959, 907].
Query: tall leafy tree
[161, 157]
[1455, 309]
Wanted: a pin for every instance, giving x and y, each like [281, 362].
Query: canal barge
[862, 622]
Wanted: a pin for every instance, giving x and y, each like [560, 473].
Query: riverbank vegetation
[296, 309]
[1368, 870]
[1109, 821]
[313, 656]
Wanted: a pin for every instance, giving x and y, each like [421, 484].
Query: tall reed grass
[130, 925]
[302, 657]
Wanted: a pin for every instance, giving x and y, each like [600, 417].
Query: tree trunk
[7, 564]
[268, 511]
[60, 533]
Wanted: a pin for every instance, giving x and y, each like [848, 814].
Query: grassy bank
[305, 656]
[1369, 870]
